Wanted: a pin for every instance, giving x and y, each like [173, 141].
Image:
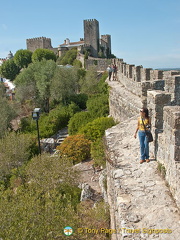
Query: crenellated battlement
[38, 38]
[91, 20]
[138, 73]
[139, 80]
[38, 42]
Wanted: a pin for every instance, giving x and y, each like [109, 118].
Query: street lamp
[35, 116]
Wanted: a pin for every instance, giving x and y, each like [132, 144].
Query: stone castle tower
[106, 43]
[91, 42]
[91, 35]
[40, 42]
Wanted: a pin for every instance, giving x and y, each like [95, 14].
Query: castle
[92, 43]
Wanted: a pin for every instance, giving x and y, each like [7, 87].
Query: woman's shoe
[142, 161]
[147, 160]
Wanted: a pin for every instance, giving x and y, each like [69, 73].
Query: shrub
[8, 113]
[94, 215]
[97, 153]
[98, 105]
[28, 125]
[75, 148]
[42, 205]
[95, 62]
[15, 150]
[96, 128]
[51, 123]
[89, 84]
[40, 54]
[68, 57]
[102, 85]
[77, 121]
[57, 119]
[162, 170]
[77, 63]
[79, 99]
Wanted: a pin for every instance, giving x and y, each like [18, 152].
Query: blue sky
[143, 32]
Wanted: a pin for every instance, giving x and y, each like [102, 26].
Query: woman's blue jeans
[144, 145]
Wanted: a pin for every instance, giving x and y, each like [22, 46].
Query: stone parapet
[169, 74]
[101, 64]
[172, 85]
[131, 76]
[156, 100]
[123, 104]
[168, 152]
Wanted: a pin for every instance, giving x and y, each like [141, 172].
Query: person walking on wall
[114, 72]
[144, 124]
[109, 69]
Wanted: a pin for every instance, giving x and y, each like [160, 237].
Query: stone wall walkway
[139, 199]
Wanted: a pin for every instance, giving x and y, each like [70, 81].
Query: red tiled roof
[73, 43]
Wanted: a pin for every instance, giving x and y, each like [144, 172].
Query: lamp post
[35, 116]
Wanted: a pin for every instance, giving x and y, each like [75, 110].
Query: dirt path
[88, 175]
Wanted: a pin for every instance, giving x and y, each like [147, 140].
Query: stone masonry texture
[141, 201]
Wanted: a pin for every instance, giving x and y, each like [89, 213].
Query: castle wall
[160, 92]
[138, 80]
[172, 86]
[168, 152]
[40, 42]
[101, 63]
[123, 103]
[156, 101]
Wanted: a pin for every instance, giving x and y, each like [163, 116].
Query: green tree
[51, 123]
[34, 82]
[9, 69]
[68, 57]
[98, 105]
[40, 207]
[2, 90]
[15, 150]
[89, 84]
[64, 83]
[23, 58]
[77, 121]
[77, 63]
[26, 89]
[43, 76]
[79, 99]
[8, 112]
[40, 54]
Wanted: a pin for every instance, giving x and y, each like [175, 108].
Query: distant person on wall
[144, 124]
[109, 70]
[114, 72]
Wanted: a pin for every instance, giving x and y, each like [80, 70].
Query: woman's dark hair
[146, 111]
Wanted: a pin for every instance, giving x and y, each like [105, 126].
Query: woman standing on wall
[114, 72]
[144, 125]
